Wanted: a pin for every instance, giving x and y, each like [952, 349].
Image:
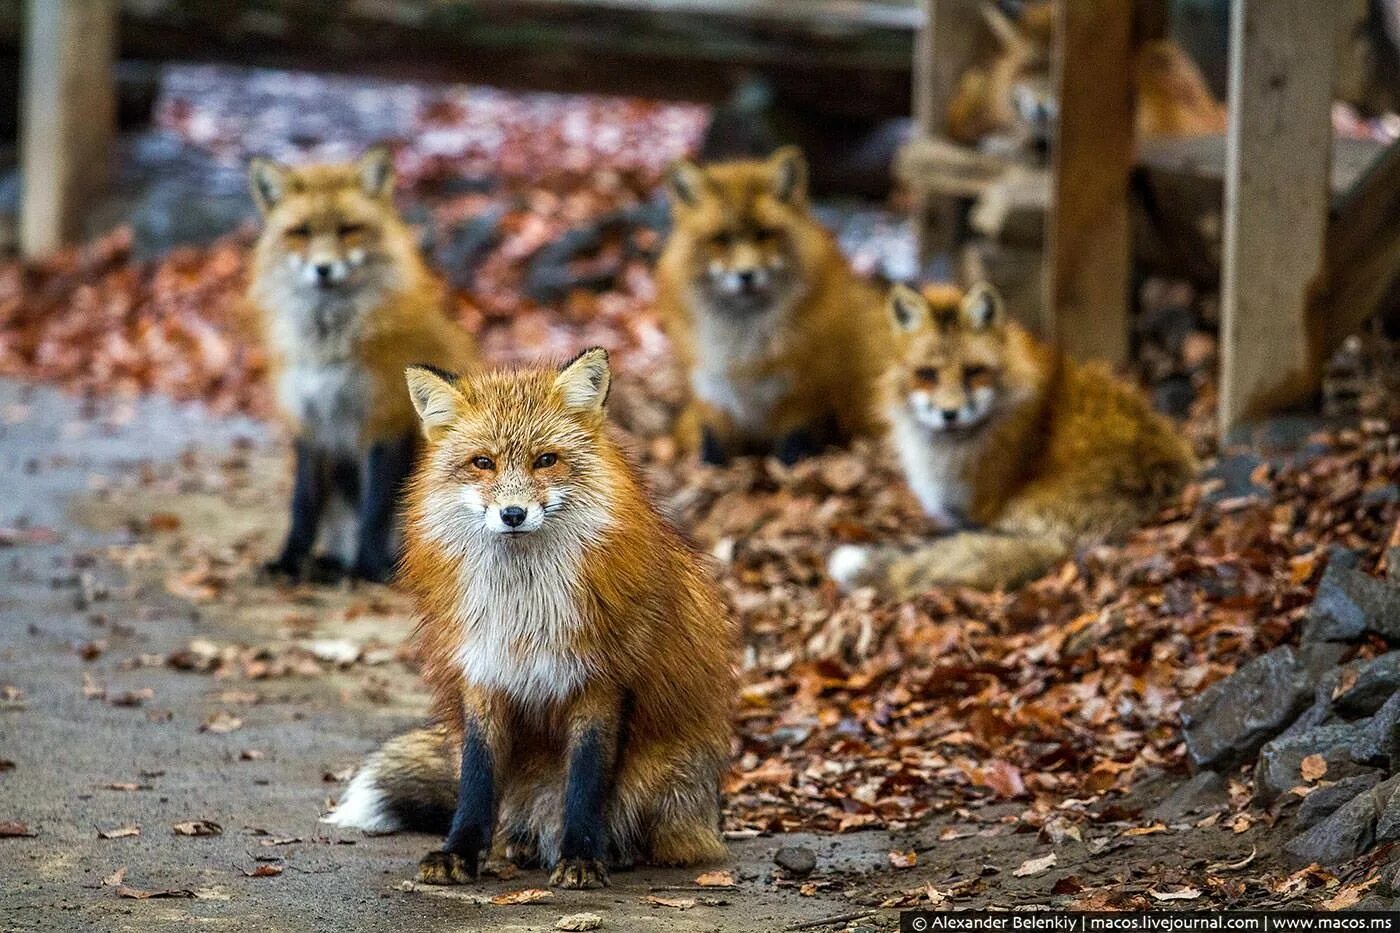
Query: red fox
[578, 653]
[1018, 450]
[346, 303]
[767, 319]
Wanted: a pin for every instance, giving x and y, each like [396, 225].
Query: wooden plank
[1277, 195]
[1089, 244]
[948, 43]
[68, 116]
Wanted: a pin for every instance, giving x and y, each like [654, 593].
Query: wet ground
[148, 680]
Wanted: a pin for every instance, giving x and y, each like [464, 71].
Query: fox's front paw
[447, 868]
[579, 873]
[373, 570]
[283, 568]
[712, 451]
[325, 569]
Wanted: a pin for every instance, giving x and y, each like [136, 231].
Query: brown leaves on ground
[121, 832]
[526, 896]
[14, 829]
[197, 828]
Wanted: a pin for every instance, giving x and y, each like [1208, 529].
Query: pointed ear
[982, 307]
[789, 168]
[585, 381]
[376, 171]
[687, 182]
[435, 397]
[1006, 32]
[269, 182]
[908, 309]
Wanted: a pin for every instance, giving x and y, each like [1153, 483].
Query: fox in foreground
[769, 323]
[578, 653]
[1022, 452]
[345, 303]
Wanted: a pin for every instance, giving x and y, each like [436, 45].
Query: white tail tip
[363, 806]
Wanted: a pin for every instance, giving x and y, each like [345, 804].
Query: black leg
[795, 445]
[585, 794]
[470, 833]
[308, 502]
[386, 468]
[711, 451]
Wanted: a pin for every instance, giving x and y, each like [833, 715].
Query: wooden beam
[68, 116]
[1278, 163]
[1089, 244]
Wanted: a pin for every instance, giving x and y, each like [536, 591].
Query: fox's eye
[765, 235]
[722, 239]
[483, 463]
[975, 372]
[926, 374]
[345, 230]
[544, 461]
[300, 231]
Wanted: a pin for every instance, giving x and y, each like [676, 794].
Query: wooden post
[945, 46]
[68, 116]
[1088, 241]
[1277, 195]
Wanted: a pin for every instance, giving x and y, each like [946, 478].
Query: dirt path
[149, 680]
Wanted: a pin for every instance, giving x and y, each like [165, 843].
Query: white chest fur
[520, 614]
[936, 469]
[725, 347]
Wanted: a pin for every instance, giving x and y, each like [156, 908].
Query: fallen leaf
[1036, 866]
[679, 903]
[578, 923]
[221, 723]
[1234, 866]
[264, 871]
[12, 829]
[1152, 830]
[527, 896]
[716, 879]
[1313, 768]
[115, 878]
[197, 828]
[121, 832]
[904, 859]
[1187, 893]
[1349, 895]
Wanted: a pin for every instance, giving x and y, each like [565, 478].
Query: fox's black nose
[950, 415]
[748, 278]
[513, 516]
[323, 272]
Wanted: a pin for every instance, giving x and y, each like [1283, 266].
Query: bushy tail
[409, 783]
[984, 560]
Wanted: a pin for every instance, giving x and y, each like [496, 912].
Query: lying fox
[345, 303]
[771, 326]
[578, 652]
[1022, 452]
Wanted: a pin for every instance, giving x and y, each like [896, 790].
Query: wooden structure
[1311, 225]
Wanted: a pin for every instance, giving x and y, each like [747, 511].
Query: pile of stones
[1296, 708]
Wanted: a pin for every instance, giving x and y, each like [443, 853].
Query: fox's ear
[376, 171]
[269, 182]
[435, 397]
[686, 182]
[789, 168]
[908, 309]
[982, 307]
[1006, 32]
[585, 381]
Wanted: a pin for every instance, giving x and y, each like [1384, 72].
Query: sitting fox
[1023, 453]
[578, 652]
[773, 329]
[346, 303]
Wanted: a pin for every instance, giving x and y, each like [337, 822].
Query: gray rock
[796, 861]
[1325, 801]
[1347, 833]
[1232, 719]
[1236, 475]
[1206, 790]
[1349, 604]
[1345, 745]
[1388, 823]
[1376, 681]
[1392, 564]
[1375, 902]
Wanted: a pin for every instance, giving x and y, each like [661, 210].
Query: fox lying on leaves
[771, 326]
[345, 303]
[578, 653]
[1024, 452]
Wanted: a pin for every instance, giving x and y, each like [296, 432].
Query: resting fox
[778, 338]
[1021, 451]
[578, 652]
[345, 302]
